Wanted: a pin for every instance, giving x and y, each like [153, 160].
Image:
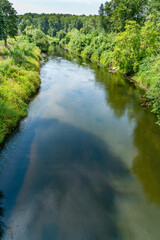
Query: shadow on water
[2, 225]
[146, 165]
[68, 191]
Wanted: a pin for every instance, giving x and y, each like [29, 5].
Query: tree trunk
[5, 42]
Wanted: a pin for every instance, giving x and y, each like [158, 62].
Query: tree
[154, 5]
[127, 50]
[150, 40]
[61, 34]
[1, 25]
[118, 11]
[154, 10]
[8, 21]
[101, 12]
[39, 38]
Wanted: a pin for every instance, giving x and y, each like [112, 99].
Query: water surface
[85, 163]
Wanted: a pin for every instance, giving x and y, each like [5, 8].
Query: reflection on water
[69, 179]
[87, 163]
[2, 225]
[146, 165]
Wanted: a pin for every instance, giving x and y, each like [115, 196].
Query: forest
[125, 35]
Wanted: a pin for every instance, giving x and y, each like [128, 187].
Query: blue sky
[57, 6]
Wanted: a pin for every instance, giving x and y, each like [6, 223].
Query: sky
[57, 6]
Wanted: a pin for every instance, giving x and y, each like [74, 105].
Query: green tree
[118, 11]
[127, 50]
[8, 21]
[154, 10]
[61, 34]
[154, 6]
[102, 15]
[150, 37]
[40, 39]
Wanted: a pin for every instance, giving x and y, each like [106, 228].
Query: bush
[154, 95]
[88, 51]
[127, 50]
[61, 34]
[106, 58]
[39, 38]
[150, 38]
[95, 56]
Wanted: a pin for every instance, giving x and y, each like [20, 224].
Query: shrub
[127, 50]
[61, 34]
[88, 51]
[106, 58]
[39, 38]
[150, 38]
[95, 56]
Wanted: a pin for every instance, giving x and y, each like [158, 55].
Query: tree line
[115, 13]
[125, 34]
[54, 24]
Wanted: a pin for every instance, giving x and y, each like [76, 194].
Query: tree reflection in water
[122, 98]
[2, 226]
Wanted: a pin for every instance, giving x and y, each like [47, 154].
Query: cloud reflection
[67, 192]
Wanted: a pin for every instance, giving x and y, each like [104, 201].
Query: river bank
[97, 151]
[131, 78]
[139, 63]
[19, 82]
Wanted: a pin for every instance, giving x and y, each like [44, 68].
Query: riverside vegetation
[19, 68]
[19, 81]
[124, 35]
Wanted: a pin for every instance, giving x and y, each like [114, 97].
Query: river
[85, 163]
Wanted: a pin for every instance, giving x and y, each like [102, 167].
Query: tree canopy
[8, 20]
[116, 12]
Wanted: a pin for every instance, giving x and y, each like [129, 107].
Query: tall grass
[19, 81]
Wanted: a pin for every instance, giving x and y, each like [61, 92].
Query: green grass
[149, 76]
[19, 81]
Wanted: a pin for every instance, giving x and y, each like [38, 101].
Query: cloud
[57, 6]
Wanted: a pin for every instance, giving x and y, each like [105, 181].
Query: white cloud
[58, 6]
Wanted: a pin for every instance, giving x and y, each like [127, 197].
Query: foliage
[61, 34]
[127, 55]
[87, 52]
[8, 20]
[19, 80]
[106, 58]
[115, 13]
[150, 37]
[124, 35]
[39, 38]
[54, 24]
[154, 95]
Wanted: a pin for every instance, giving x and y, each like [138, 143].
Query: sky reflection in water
[72, 174]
